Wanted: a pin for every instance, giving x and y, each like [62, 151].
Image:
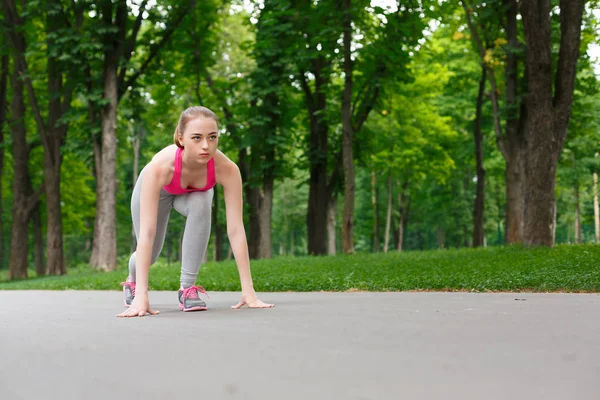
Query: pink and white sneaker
[189, 300]
[129, 290]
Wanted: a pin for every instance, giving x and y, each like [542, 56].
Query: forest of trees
[358, 125]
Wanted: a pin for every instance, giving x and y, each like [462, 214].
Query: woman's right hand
[138, 308]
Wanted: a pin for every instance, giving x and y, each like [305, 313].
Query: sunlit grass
[563, 268]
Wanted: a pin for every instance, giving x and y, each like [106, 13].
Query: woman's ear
[180, 139]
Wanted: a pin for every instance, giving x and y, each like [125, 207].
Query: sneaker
[129, 290]
[189, 299]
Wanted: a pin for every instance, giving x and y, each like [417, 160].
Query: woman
[182, 176]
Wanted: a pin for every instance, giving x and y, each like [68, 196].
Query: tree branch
[492, 77]
[309, 96]
[17, 40]
[130, 45]
[34, 199]
[336, 174]
[359, 95]
[571, 15]
[156, 48]
[366, 107]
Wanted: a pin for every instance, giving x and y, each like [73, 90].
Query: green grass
[563, 268]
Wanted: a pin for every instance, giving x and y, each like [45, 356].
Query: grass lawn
[568, 268]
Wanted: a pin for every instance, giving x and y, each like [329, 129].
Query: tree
[579, 161]
[118, 50]
[413, 140]
[347, 133]
[548, 109]
[488, 21]
[479, 206]
[3, 107]
[316, 27]
[53, 130]
[25, 200]
[267, 139]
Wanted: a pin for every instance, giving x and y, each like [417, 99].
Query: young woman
[182, 176]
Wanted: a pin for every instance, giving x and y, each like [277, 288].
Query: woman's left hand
[252, 301]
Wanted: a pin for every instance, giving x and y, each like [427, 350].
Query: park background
[419, 129]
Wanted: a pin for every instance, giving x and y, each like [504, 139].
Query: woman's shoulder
[165, 155]
[225, 168]
[162, 164]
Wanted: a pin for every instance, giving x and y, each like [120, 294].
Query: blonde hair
[189, 114]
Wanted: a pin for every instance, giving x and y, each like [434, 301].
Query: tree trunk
[320, 187]
[21, 185]
[331, 233]
[511, 142]
[265, 212]
[97, 143]
[395, 233]
[596, 208]
[348, 156]
[318, 195]
[18, 245]
[253, 200]
[548, 109]
[515, 191]
[541, 172]
[54, 239]
[260, 203]
[577, 215]
[400, 242]
[478, 207]
[3, 108]
[104, 251]
[53, 156]
[316, 218]
[375, 204]
[440, 237]
[286, 225]
[107, 248]
[388, 219]
[403, 205]
[40, 264]
[52, 133]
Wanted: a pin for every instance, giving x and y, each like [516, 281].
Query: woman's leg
[196, 207]
[165, 203]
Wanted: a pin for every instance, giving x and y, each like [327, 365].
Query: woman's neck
[190, 167]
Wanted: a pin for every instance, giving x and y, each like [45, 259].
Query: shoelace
[131, 287]
[192, 292]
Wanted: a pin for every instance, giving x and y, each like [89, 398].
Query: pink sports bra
[174, 187]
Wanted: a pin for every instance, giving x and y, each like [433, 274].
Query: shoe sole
[197, 308]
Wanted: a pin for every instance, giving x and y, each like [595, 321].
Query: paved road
[70, 345]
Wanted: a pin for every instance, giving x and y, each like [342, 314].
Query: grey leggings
[196, 207]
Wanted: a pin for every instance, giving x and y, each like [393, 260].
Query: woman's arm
[232, 185]
[143, 254]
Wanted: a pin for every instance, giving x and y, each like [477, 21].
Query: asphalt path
[401, 345]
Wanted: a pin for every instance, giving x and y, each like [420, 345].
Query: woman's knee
[198, 203]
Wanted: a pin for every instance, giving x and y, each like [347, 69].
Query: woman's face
[200, 139]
